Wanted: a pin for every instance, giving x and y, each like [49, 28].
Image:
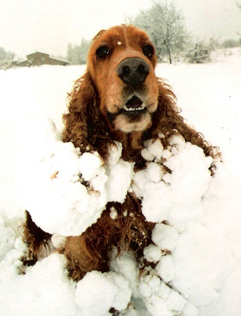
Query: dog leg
[36, 239]
[80, 260]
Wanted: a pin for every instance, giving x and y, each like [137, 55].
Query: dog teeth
[133, 109]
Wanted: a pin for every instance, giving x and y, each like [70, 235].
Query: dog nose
[133, 71]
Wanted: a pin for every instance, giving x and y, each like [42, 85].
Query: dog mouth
[134, 104]
[134, 107]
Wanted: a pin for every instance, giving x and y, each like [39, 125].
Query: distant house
[38, 59]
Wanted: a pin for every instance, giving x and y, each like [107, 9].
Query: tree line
[165, 25]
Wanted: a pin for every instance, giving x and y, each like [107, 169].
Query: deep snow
[200, 274]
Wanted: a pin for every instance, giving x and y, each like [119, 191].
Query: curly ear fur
[85, 126]
[76, 121]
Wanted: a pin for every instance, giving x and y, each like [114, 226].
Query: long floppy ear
[75, 120]
[84, 124]
[167, 120]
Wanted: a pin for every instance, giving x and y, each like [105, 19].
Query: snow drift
[196, 250]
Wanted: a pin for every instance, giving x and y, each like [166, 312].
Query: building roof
[37, 53]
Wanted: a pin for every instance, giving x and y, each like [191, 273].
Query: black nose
[133, 71]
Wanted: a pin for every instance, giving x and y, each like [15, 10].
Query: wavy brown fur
[98, 96]
[127, 231]
[84, 124]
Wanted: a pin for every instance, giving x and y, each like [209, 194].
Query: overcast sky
[49, 25]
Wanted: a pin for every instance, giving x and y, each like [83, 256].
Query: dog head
[121, 62]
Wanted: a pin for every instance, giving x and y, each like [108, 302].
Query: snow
[153, 149]
[152, 253]
[60, 173]
[196, 248]
[180, 192]
[165, 236]
[165, 269]
[111, 289]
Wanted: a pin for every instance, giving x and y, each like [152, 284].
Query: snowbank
[196, 250]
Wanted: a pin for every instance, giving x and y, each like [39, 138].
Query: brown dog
[119, 98]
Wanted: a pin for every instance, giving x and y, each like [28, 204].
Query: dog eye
[148, 50]
[102, 51]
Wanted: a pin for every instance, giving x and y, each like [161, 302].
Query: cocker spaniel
[119, 98]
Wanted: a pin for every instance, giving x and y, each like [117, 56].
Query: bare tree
[166, 27]
[6, 55]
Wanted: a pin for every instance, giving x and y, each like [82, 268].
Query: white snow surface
[66, 206]
[197, 248]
